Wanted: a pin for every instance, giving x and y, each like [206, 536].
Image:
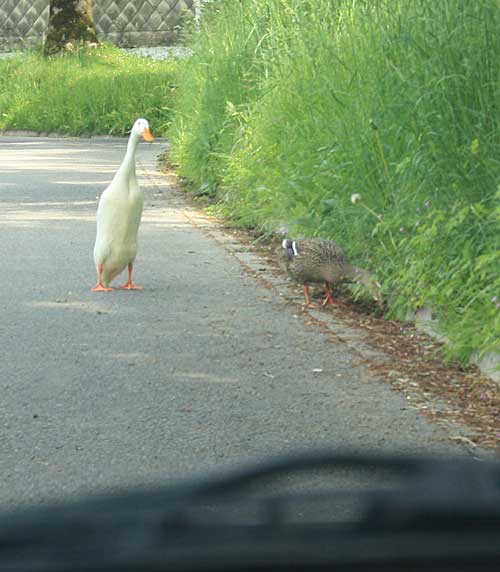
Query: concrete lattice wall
[124, 22]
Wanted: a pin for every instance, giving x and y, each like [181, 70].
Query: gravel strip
[155, 53]
[161, 52]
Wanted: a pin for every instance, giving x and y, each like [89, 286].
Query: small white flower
[355, 198]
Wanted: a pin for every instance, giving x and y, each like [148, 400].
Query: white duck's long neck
[127, 168]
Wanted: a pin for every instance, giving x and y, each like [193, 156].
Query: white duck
[119, 216]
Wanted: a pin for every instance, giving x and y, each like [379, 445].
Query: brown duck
[313, 260]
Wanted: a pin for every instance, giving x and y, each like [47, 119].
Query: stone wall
[123, 22]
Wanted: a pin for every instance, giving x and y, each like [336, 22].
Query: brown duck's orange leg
[328, 301]
[99, 286]
[308, 303]
[129, 285]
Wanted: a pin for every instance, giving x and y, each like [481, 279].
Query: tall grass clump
[219, 80]
[288, 107]
[94, 90]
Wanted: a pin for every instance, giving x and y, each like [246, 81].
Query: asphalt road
[205, 368]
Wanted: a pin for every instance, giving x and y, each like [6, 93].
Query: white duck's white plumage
[119, 216]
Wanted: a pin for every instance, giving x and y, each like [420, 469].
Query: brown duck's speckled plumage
[316, 260]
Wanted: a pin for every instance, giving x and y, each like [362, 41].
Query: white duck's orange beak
[147, 135]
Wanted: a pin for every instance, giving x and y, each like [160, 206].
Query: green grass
[288, 107]
[98, 91]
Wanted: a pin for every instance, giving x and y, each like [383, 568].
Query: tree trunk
[70, 24]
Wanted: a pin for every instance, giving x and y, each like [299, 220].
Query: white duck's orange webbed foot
[130, 286]
[100, 288]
